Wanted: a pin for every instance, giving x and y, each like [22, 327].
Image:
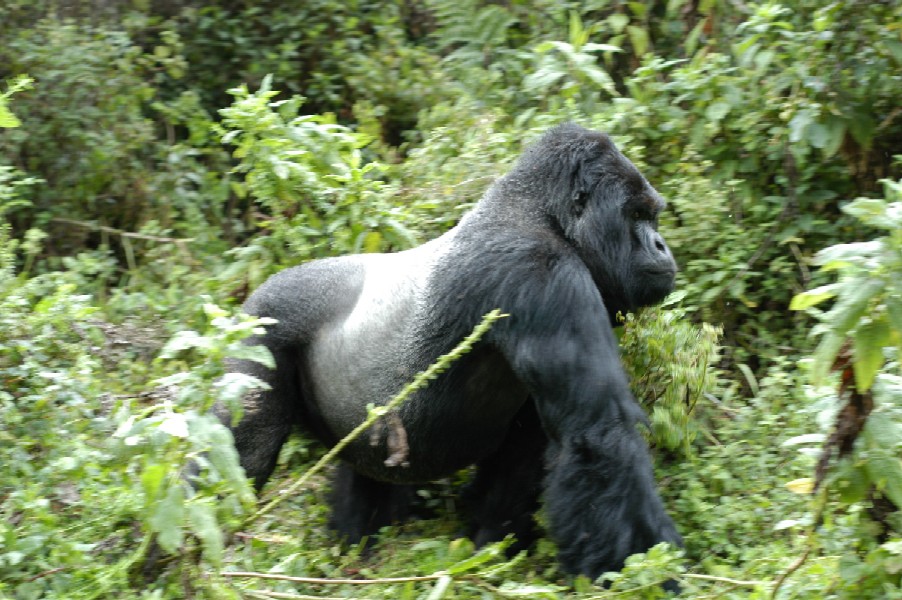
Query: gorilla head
[541, 405]
[603, 206]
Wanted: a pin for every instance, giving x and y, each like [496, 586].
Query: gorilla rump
[561, 243]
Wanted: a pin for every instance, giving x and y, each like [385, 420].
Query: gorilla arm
[601, 498]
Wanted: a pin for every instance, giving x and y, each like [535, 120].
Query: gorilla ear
[579, 200]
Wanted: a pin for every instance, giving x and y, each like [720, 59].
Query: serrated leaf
[804, 485]
[167, 519]
[7, 118]
[202, 522]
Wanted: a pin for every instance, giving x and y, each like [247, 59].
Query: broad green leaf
[640, 9]
[152, 478]
[184, 340]
[260, 354]
[600, 78]
[602, 48]
[835, 133]
[870, 339]
[799, 124]
[814, 297]
[167, 518]
[824, 355]
[638, 38]
[852, 481]
[847, 254]
[852, 304]
[870, 211]
[818, 135]
[717, 111]
[894, 313]
[885, 470]
[618, 21]
[483, 556]
[202, 521]
[882, 432]
[694, 35]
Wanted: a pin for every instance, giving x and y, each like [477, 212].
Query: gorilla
[562, 243]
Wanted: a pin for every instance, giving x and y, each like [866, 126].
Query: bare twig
[45, 574]
[737, 582]
[790, 570]
[122, 233]
[286, 596]
[326, 581]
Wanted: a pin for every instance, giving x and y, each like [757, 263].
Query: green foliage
[669, 363]
[7, 118]
[119, 203]
[868, 307]
[867, 304]
[309, 175]
[179, 430]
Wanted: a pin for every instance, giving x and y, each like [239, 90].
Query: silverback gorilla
[561, 243]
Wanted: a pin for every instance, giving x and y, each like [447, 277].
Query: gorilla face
[614, 228]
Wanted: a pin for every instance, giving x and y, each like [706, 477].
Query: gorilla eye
[636, 215]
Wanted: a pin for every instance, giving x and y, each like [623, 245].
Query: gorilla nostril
[659, 244]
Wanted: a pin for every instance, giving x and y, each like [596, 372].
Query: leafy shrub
[309, 175]
[863, 452]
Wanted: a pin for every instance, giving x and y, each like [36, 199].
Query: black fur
[562, 243]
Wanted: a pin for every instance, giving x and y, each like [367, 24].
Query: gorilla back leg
[504, 495]
[362, 506]
[268, 418]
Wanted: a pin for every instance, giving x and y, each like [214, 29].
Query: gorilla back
[562, 243]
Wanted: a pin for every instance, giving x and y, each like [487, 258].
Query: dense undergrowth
[158, 160]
